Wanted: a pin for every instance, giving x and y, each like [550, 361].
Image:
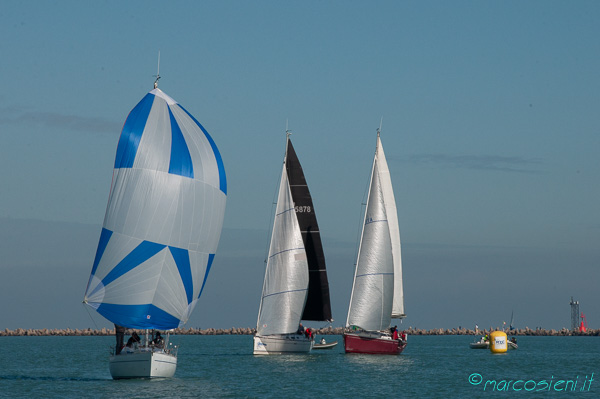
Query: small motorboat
[324, 345]
[481, 344]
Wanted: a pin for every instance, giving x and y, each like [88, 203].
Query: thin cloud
[24, 117]
[499, 163]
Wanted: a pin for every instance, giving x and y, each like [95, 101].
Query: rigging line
[273, 209]
[361, 220]
[271, 218]
[358, 231]
[89, 314]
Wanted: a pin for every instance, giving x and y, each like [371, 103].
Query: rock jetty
[322, 331]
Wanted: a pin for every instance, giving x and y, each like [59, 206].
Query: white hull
[325, 346]
[281, 344]
[479, 345]
[142, 364]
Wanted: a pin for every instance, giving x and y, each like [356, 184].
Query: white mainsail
[286, 277]
[377, 289]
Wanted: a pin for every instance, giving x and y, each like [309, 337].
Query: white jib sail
[286, 277]
[372, 292]
[392, 218]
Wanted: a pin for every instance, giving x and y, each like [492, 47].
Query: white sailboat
[377, 292]
[160, 233]
[295, 250]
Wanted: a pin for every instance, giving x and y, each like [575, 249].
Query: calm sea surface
[224, 367]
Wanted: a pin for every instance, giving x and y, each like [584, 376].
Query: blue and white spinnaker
[163, 220]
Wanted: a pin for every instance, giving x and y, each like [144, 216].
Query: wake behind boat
[295, 287]
[377, 294]
[160, 233]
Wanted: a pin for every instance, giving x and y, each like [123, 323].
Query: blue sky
[490, 127]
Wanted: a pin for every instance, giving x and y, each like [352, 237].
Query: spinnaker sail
[163, 220]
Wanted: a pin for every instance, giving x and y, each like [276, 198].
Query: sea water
[224, 367]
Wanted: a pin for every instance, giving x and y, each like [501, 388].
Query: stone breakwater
[319, 331]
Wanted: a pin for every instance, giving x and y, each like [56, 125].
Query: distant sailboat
[377, 294]
[295, 286]
[161, 230]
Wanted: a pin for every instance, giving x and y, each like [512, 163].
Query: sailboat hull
[142, 364]
[281, 344]
[375, 345]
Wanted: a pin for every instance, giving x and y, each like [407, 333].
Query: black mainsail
[318, 306]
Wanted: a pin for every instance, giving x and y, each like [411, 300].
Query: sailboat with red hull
[377, 294]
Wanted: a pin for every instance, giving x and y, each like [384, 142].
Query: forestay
[163, 220]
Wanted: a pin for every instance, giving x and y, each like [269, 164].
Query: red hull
[376, 346]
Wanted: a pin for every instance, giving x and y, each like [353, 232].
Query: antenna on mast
[157, 72]
[380, 123]
[288, 132]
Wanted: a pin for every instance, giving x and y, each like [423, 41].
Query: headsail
[286, 278]
[163, 220]
[318, 306]
[392, 218]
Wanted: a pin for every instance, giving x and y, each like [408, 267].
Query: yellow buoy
[498, 342]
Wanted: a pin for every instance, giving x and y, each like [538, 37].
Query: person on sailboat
[119, 334]
[134, 339]
[395, 333]
[300, 329]
[158, 339]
